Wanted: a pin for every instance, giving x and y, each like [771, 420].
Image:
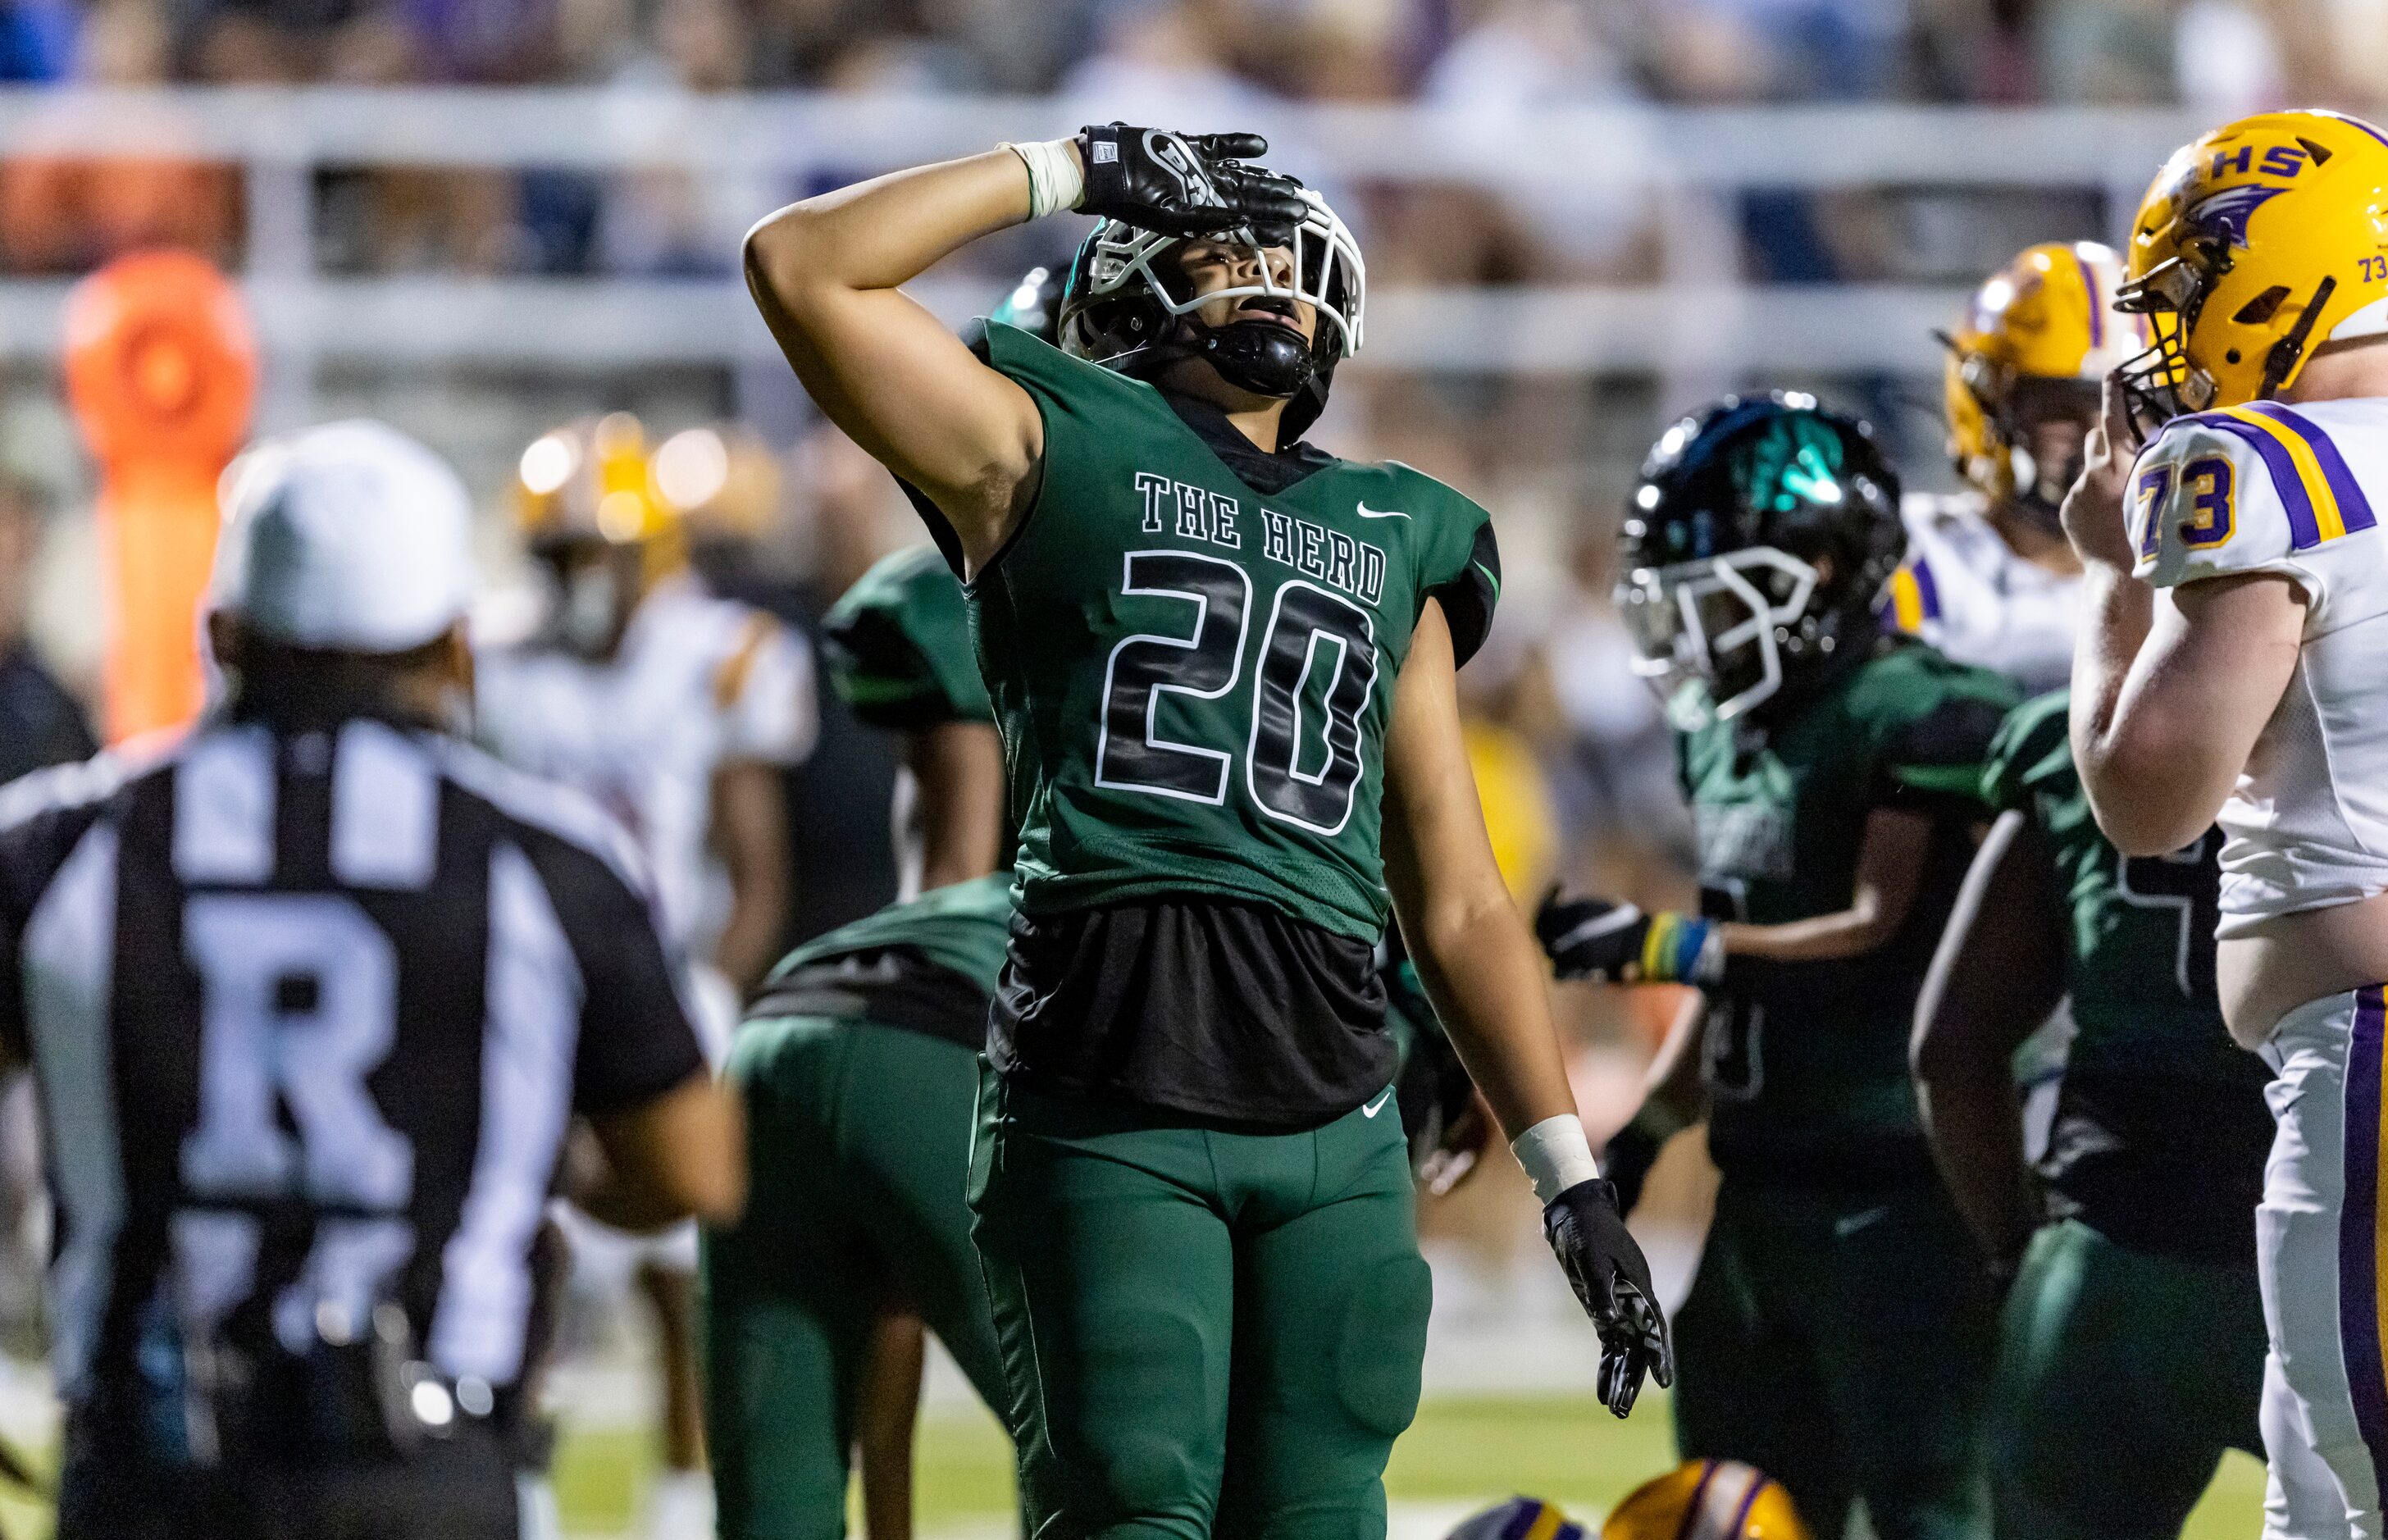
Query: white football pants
[2320, 1249]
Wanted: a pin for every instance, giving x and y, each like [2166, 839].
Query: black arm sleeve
[1468, 598]
[635, 1042]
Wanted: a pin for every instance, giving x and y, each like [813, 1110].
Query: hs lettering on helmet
[2279, 161]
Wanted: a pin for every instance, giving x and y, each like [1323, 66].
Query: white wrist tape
[1054, 180]
[1555, 1154]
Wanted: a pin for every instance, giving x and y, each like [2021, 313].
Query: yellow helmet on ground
[2041, 333]
[591, 481]
[2256, 244]
[1707, 1499]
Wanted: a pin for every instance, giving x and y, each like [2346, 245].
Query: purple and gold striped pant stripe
[2362, 1243]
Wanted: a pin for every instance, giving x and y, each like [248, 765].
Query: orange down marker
[161, 373]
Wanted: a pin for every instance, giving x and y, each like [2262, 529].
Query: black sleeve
[1468, 597]
[635, 1042]
[1934, 763]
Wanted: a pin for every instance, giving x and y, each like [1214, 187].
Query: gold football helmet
[2257, 243]
[1707, 1499]
[2037, 340]
[591, 482]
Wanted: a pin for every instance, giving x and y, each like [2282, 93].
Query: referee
[311, 996]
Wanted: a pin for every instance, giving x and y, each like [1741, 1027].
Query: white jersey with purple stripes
[1966, 591]
[2268, 488]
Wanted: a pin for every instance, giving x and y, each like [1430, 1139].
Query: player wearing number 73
[1230, 726]
[2229, 672]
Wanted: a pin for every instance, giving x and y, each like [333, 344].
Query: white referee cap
[350, 537]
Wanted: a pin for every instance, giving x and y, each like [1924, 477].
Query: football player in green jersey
[1838, 1335]
[1223, 665]
[860, 1063]
[897, 647]
[2134, 1321]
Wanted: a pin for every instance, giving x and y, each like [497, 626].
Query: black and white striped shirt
[310, 1011]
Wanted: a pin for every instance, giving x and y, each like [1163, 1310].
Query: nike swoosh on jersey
[1373, 1108]
[1367, 512]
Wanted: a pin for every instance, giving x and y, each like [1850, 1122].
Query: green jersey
[929, 965]
[2161, 1131]
[1806, 1063]
[897, 645]
[1193, 676]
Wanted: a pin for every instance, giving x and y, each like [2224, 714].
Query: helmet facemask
[2162, 383]
[1129, 305]
[1711, 634]
[2040, 479]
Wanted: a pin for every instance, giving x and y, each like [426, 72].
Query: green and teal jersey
[1193, 676]
[897, 645]
[2161, 1131]
[929, 963]
[1806, 1063]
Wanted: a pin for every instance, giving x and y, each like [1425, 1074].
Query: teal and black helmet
[1755, 544]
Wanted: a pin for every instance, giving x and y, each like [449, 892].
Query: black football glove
[1627, 1162]
[1612, 1282]
[1617, 943]
[1184, 183]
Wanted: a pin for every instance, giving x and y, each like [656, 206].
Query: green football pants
[858, 1153]
[1204, 1331]
[2122, 1378]
[1841, 1343]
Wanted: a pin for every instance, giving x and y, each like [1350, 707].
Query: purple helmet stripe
[2097, 305]
[2358, 1228]
[2354, 508]
[2304, 530]
[1927, 592]
[1749, 1501]
[1692, 1506]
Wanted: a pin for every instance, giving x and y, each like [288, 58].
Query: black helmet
[1756, 545]
[1125, 305]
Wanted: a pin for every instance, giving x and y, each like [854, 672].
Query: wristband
[1055, 181]
[1681, 949]
[1555, 1154]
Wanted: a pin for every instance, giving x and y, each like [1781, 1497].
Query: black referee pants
[461, 1488]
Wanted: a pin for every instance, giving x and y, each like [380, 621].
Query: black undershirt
[1227, 1011]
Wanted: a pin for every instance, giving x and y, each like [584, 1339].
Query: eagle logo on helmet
[2225, 215]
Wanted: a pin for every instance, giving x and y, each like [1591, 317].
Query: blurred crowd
[1197, 63]
[2112, 51]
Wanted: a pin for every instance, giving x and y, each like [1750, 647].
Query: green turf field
[1460, 1450]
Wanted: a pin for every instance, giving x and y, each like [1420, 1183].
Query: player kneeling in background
[2133, 1322]
[2230, 671]
[311, 998]
[1838, 1335]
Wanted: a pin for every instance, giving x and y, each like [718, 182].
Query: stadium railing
[1700, 319]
